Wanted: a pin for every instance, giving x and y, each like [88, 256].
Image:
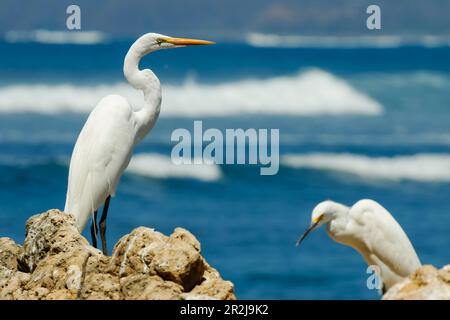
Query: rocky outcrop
[427, 283]
[56, 262]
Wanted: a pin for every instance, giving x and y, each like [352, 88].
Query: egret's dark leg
[94, 230]
[102, 225]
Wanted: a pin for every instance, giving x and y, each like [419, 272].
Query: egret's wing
[101, 154]
[384, 237]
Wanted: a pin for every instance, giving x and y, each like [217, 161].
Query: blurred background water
[358, 119]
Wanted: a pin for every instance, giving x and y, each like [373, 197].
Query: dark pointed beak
[311, 228]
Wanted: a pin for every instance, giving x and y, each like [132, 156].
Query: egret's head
[150, 42]
[323, 213]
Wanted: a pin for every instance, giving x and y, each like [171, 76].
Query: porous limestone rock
[427, 283]
[57, 262]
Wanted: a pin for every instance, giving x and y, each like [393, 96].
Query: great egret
[105, 144]
[372, 231]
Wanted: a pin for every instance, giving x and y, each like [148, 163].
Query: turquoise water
[398, 104]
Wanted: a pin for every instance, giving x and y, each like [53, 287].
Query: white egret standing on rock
[105, 144]
[372, 231]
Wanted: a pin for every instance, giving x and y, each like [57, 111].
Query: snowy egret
[372, 231]
[105, 144]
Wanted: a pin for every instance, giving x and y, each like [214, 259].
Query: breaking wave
[56, 37]
[158, 166]
[346, 42]
[151, 165]
[308, 93]
[419, 167]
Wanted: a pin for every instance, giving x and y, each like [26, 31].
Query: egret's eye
[159, 41]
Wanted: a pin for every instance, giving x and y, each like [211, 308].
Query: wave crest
[346, 42]
[419, 167]
[159, 166]
[56, 37]
[309, 93]
[151, 165]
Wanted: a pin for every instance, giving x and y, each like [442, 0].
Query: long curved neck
[339, 210]
[337, 225]
[148, 83]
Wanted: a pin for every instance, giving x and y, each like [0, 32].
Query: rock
[427, 283]
[9, 252]
[12, 283]
[101, 287]
[176, 258]
[143, 287]
[212, 286]
[56, 263]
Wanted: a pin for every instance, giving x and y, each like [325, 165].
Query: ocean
[355, 122]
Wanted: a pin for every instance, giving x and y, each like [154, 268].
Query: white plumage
[105, 144]
[371, 230]
[101, 154]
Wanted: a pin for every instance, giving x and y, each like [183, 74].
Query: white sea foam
[152, 165]
[418, 167]
[436, 80]
[28, 161]
[56, 37]
[159, 166]
[387, 41]
[311, 92]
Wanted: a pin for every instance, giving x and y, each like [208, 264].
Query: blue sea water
[247, 223]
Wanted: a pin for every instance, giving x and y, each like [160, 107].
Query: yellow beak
[186, 42]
